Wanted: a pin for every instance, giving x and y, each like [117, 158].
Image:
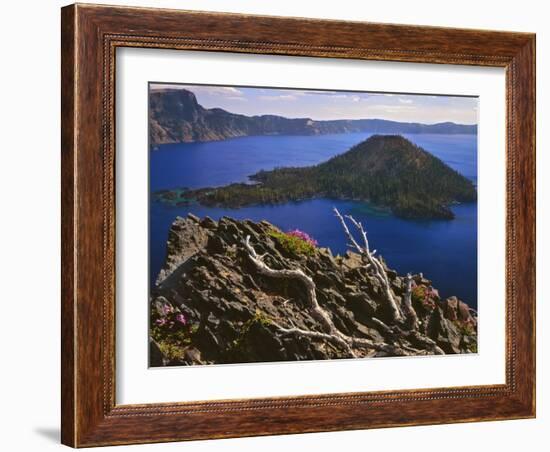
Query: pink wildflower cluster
[169, 317]
[303, 236]
[426, 295]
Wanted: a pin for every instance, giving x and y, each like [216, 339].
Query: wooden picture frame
[90, 36]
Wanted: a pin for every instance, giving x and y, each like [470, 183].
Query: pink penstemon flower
[303, 236]
[167, 309]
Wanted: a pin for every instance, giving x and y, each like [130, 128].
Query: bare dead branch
[410, 313]
[373, 263]
[350, 237]
[359, 227]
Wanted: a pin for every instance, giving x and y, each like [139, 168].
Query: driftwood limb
[373, 263]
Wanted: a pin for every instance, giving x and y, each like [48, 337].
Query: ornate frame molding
[90, 37]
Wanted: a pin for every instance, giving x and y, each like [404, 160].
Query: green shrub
[239, 346]
[171, 351]
[423, 296]
[171, 329]
[464, 327]
[292, 242]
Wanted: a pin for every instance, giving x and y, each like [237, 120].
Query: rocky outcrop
[212, 304]
[175, 116]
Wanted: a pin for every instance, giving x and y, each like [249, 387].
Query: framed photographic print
[281, 225]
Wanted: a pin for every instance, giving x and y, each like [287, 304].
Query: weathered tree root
[331, 333]
[374, 265]
[410, 313]
[336, 340]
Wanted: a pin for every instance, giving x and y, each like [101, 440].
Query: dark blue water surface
[445, 251]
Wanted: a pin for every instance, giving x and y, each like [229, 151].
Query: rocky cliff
[239, 291]
[175, 116]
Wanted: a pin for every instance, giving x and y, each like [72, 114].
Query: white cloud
[283, 97]
[405, 101]
[226, 91]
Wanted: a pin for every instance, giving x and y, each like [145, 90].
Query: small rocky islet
[235, 291]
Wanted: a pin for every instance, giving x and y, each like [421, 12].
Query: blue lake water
[445, 251]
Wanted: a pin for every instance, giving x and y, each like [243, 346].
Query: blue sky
[319, 105]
